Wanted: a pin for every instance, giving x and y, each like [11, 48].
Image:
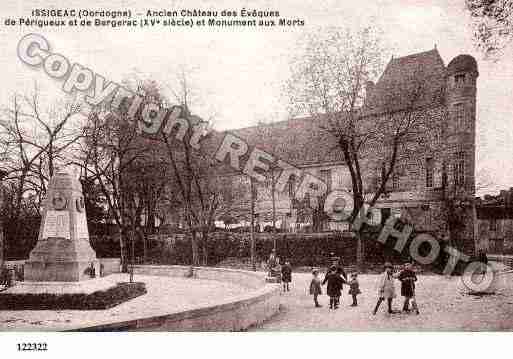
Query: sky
[239, 73]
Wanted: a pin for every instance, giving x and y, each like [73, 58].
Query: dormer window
[459, 80]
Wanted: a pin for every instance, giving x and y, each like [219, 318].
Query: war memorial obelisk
[61, 260]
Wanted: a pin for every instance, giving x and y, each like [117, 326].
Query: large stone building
[440, 168]
[437, 167]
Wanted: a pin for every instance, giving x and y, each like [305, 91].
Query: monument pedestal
[62, 252]
[61, 260]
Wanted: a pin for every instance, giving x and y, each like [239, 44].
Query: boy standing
[354, 289]
[315, 287]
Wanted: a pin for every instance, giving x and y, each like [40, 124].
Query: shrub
[109, 298]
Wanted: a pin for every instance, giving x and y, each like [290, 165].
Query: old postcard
[263, 166]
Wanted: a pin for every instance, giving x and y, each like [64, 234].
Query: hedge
[301, 249]
[109, 298]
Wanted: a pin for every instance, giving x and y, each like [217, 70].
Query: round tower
[460, 131]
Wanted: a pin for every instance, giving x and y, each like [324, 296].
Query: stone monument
[62, 252]
[62, 259]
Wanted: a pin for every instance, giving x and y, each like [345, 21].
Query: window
[326, 178]
[459, 169]
[493, 224]
[255, 191]
[429, 172]
[459, 116]
[292, 186]
[396, 181]
[459, 80]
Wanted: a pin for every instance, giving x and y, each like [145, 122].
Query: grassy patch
[106, 299]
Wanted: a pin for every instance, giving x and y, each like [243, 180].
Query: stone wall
[261, 302]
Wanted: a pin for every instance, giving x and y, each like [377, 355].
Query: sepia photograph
[255, 166]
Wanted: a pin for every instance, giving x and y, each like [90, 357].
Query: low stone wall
[505, 259]
[259, 303]
[110, 265]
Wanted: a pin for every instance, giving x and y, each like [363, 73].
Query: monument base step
[83, 287]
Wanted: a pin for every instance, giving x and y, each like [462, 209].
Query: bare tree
[329, 83]
[204, 190]
[110, 155]
[35, 140]
[493, 25]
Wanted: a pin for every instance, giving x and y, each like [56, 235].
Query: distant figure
[102, 270]
[408, 278]
[92, 271]
[315, 287]
[286, 276]
[273, 265]
[482, 257]
[20, 275]
[3, 276]
[354, 288]
[9, 277]
[386, 288]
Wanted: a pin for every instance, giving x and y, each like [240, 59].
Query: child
[354, 288]
[286, 276]
[334, 287]
[315, 287]
[343, 275]
[386, 289]
[408, 279]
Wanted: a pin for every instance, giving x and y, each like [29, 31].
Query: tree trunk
[132, 255]
[359, 250]
[205, 248]
[145, 247]
[123, 254]
[358, 205]
[273, 197]
[252, 230]
[195, 251]
[1, 244]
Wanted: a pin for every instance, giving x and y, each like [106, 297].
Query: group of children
[335, 278]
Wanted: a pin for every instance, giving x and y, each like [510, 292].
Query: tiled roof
[394, 90]
[304, 141]
[301, 141]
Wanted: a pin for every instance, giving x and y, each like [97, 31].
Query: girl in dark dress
[408, 279]
[334, 287]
